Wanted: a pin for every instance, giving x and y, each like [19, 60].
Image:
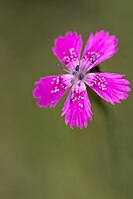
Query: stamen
[77, 68]
[93, 58]
[72, 97]
[81, 76]
[61, 68]
[74, 72]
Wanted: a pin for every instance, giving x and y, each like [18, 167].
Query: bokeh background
[41, 157]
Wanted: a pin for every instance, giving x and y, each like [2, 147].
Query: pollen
[58, 84]
[92, 56]
[81, 105]
[100, 82]
[72, 55]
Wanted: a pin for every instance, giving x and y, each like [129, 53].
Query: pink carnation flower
[111, 87]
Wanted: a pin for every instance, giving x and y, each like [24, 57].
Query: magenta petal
[109, 86]
[50, 89]
[67, 49]
[99, 47]
[77, 108]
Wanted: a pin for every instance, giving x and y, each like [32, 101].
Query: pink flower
[111, 87]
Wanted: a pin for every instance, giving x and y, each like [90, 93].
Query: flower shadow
[98, 101]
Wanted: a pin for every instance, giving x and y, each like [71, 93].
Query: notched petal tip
[68, 48]
[77, 108]
[35, 93]
[99, 47]
[50, 89]
[109, 86]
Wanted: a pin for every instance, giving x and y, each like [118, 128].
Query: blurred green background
[41, 157]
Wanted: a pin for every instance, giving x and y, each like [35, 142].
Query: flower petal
[77, 108]
[109, 86]
[67, 49]
[99, 47]
[50, 89]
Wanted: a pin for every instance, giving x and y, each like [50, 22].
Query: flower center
[78, 73]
